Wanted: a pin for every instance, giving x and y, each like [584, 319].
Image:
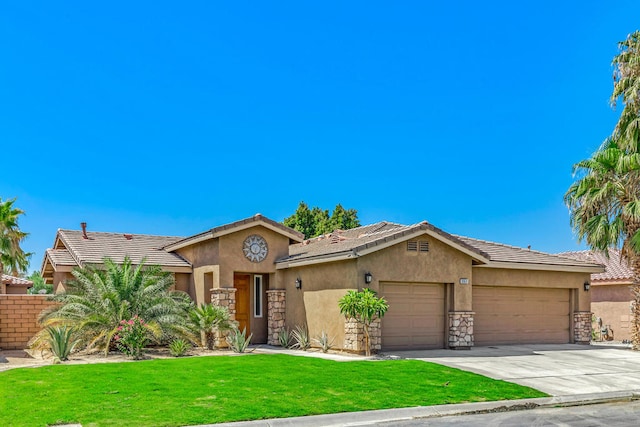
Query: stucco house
[611, 296]
[14, 285]
[444, 291]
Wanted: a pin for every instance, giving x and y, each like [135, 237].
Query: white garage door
[415, 318]
[509, 315]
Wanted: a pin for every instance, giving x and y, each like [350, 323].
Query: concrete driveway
[556, 369]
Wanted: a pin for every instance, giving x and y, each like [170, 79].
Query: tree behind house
[316, 221]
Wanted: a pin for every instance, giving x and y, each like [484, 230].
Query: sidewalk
[351, 419]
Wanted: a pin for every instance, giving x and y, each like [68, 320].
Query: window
[257, 296]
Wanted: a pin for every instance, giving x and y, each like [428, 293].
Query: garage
[415, 319]
[511, 315]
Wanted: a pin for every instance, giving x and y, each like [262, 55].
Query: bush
[301, 339]
[178, 347]
[132, 337]
[238, 341]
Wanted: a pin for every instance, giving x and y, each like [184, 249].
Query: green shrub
[178, 347]
[61, 341]
[301, 339]
[284, 338]
[324, 341]
[238, 341]
[132, 337]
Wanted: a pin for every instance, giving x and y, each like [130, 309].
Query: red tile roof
[616, 267]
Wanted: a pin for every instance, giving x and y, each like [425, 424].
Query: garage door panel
[507, 315]
[415, 318]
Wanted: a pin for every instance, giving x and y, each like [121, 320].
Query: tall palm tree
[13, 260]
[604, 204]
[626, 88]
[100, 297]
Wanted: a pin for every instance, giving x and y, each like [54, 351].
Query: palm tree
[604, 204]
[626, 88]
[208, 319]
[13, 260]
[100, 297]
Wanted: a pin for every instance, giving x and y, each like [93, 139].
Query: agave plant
[324, 341]
[284, 338]
[178, 347]
[238, 341]
[61, 341]
[99, 298]
[301, 339]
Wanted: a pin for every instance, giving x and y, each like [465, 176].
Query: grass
[200, 390]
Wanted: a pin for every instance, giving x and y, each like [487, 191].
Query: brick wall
[19, 319]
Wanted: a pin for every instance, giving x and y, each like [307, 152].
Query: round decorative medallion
[255, 248]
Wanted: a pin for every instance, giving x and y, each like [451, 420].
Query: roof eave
[548, 267]
[232, 228]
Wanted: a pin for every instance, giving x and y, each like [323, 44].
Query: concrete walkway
[559, 370]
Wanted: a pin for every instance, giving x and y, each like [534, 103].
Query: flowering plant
[132, 336]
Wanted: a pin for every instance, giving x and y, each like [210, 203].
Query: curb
[354, 419]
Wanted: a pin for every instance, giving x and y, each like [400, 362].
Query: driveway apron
[561, 369]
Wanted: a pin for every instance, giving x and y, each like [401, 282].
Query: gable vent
[412, 246]
[424, 246]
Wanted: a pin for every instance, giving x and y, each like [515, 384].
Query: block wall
[19, 319]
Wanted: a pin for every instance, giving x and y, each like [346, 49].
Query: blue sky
[174, 117]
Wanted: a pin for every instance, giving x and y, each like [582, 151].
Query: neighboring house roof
[15, 281]
[616, 268]
[345, 244]
[232, 227]
[79, 250]
[516, 257]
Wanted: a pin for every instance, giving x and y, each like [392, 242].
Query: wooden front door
[241, 283]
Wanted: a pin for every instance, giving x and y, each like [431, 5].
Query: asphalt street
[618, 414]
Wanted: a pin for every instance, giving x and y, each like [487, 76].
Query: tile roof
[366, 237]
[499, 252]
[15, 281]
[616, 268]
[116, 246]
[60, 257]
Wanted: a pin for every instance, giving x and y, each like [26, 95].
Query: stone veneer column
[224, 297]
[461, 329]
[276, 305]
[582, 327]
[354, 336]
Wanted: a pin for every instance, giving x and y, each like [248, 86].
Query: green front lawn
[199, 390]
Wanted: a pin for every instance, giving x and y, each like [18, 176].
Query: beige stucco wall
[325, 283]
[484, 276]
[612, 303]
[442, 264]
[316, 304]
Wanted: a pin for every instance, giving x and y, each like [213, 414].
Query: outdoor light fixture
[367, 277]
[298, 283]
[587, 286]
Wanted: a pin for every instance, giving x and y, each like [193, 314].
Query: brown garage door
[506, 315]
[415, 318]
